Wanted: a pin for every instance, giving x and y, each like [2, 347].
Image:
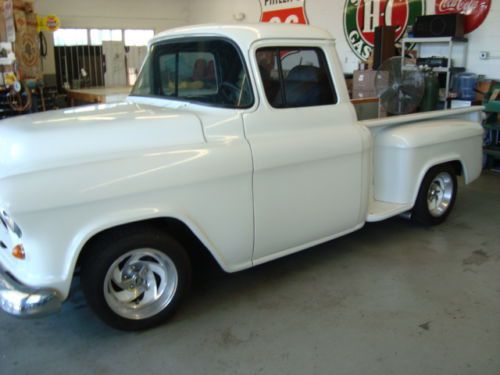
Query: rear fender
[404, 154]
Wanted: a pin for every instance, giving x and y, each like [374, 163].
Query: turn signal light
[18, 252]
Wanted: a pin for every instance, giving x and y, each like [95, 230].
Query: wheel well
[457, 167]
[197, 252]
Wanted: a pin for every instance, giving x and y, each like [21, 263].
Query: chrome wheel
[440, 194]
[140, 283]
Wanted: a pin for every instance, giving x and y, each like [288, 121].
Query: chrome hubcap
[440, 194]
[140, 284]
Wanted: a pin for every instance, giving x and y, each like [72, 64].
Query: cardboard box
[364, 79]
[363, 83]
[361, 94]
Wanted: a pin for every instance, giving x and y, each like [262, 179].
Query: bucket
[465, 86]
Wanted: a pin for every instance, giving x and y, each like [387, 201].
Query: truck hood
[91, 133]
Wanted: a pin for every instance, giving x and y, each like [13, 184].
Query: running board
[379, 210]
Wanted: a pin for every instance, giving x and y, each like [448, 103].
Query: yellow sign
[48, 23]
[9, 78]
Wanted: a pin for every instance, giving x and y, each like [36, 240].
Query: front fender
[207, 187]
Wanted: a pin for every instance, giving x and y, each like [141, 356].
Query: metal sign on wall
[475, 11]
[361, 17]
[283, 11]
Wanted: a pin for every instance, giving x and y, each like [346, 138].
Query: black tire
[129, 243]
[443, 175]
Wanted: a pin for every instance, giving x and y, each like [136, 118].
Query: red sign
[362, 17]
[475, 11]
[283, 11]
[371, 14]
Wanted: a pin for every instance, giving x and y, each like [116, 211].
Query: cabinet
[454, 49]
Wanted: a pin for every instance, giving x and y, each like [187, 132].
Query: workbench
[98, 95]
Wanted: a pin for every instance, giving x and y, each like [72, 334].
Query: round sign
[52, 22]
[475, 11]
[361, 17]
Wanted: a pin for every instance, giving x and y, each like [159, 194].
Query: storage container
[465, 86]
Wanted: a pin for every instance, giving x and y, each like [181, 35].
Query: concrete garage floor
[393, 298]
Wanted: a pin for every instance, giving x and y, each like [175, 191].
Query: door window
[295, 77]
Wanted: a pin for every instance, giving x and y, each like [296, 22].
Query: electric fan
[400, 90]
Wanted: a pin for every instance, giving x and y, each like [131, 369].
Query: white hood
[91, 133]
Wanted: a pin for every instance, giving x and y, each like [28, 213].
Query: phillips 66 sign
[283, 11]
[361, 17]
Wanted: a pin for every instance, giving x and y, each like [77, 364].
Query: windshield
[208, 71]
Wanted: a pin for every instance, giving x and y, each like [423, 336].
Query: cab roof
[246, 34]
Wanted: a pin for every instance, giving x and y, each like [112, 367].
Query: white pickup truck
[240, 138]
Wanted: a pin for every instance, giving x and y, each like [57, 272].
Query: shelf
[418, 44]
[438, 69]
[446, 39]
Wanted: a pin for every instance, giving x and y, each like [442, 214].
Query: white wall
[328, 14]
[486, 38]
[134, 14]
[223, 10]
[146, 14]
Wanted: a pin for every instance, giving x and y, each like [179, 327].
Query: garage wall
[328, 14]
[155, 14]
[164, 14]
[486, 39]
[133, 14]
[222, 10]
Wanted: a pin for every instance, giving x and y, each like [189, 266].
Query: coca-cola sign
[475, 11]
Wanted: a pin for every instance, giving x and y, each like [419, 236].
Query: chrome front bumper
[24, 302]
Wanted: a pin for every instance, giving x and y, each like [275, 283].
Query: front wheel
[436, 196]
[135, 280]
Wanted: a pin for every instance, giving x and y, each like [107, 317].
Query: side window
[295, 77]
[196, 78]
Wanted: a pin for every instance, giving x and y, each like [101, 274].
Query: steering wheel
[230, 92]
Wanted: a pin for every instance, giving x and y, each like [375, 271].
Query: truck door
[306, 149]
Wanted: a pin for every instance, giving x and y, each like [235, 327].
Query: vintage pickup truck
[240, 138]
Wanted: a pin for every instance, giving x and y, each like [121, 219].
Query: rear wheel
[136, 279]
[436, 196]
